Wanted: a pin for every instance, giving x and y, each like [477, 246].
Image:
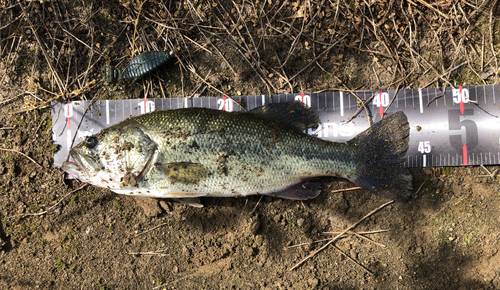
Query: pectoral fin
[301, 191]
[184, 172]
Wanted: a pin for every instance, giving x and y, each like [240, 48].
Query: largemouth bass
[194, 152]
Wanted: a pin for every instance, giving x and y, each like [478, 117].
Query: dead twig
[490, 174]
[339, 235]
[57, 96]
[160, 253]
[50, 208]
[346, 189]
[4, 149]
[420, 187]
[441, 76]
[352, 260]
[256, 205]
[356, 233]
[335, 233]
[152, 229]
[430, 7]
[436, 97]
[42, 48]
[360, 109]
[241, 216]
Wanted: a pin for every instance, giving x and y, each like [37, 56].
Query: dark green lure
[139, 66]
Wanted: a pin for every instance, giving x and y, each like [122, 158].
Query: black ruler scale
[459, 127]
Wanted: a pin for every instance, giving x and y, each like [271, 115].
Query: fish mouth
[74, 165]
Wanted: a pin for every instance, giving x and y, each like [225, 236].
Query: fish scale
[236, 141]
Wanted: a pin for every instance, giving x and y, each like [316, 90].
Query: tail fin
[382, 149]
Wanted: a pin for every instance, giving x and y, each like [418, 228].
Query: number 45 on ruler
[424, 147]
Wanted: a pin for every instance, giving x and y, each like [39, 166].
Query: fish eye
[91, 142]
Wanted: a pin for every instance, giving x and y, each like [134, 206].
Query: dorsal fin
[294, 114]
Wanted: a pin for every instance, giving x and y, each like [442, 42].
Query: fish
[139, 66]
[188, 153]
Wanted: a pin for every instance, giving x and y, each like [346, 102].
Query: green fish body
[194, 152]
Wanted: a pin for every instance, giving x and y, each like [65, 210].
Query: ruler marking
[428, 95]
[404, 96]
[420, 101]
[477, 98]
[483, 92]
[404, 93]
[342, 104]
[333, 101]
[107, 112]
[493, 88]
[380, 106]
[444, 97]
[396, 98]
[461, 100]
[436, 121]
[436, 101]
[465, 157]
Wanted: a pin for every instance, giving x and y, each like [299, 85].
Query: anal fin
[302, 191]
[191, 201]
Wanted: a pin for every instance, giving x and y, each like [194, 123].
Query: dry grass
[246, 47]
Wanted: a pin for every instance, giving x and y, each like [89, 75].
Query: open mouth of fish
[75, 165]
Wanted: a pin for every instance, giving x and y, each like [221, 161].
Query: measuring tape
[450, 127]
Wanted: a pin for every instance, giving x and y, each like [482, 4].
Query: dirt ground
[62, 234]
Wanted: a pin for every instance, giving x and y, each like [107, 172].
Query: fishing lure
[139, 66]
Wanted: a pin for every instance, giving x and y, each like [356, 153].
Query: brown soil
[56, 235]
